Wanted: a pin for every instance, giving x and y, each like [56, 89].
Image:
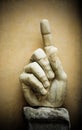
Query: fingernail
[50, 75]
[46, 84]
[43, 91]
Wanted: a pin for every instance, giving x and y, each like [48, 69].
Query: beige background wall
[20, 36]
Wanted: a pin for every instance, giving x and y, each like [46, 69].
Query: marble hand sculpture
[44, 81]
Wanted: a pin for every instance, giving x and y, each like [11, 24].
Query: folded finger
[36, 69]
[40, 57]
[30, 96]
[33, 82]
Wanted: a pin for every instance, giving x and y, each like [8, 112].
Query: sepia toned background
[20, 36]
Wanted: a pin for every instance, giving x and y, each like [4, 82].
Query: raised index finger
[51, 50]
[46, 32]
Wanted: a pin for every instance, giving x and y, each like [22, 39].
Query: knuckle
[50, 50]
[22, 76]
[38, 54]
[32, 65]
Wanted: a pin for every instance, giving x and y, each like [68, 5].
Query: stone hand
[44, 81]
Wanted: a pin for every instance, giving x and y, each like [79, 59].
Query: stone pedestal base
[44, 118]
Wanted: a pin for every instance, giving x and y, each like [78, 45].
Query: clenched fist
[44, 81]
